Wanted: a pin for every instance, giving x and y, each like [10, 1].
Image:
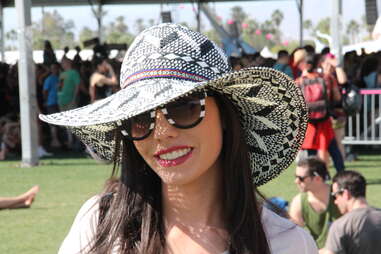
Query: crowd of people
[60, 85]
[64, 84]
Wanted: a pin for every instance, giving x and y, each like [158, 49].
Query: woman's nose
[163, 129]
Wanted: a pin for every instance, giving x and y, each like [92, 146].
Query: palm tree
[323, 26]
[353, 29]
[238, 15]
[366, 27]
[307, 24]
[139, 25]
[277, 17]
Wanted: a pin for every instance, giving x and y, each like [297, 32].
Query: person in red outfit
[320, 136]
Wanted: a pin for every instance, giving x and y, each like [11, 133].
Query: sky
[260, 10]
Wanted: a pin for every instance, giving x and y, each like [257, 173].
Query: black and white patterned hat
[168, 61]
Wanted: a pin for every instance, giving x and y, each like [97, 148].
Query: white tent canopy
[266, 53]
[12, 57]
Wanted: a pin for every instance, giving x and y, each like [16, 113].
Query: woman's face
[181, 156]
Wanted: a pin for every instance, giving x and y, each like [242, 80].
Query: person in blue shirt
[51, 100]
[282, 63]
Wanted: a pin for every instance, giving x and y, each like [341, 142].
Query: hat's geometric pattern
[272, 109]
[273, 114]
[195, 57]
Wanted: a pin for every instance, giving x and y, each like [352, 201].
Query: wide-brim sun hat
[169, 61]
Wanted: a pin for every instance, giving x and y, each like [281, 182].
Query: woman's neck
[196, 204]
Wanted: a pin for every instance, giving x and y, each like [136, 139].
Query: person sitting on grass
[314, 207]
[11, 139]
[24, 200]
[359, 229]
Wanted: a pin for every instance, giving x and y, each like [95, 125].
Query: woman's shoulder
[95, 79]
[286, 237]
[83, 229]
[89, 208]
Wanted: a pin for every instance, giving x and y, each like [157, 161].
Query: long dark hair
[134, 217]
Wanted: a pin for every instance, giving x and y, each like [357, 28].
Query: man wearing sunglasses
[313, 208]
[359, 229]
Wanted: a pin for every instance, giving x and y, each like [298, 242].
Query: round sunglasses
[184, 113]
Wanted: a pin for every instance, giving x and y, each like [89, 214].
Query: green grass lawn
[66, 183]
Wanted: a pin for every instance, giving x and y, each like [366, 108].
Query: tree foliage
[307, 24]
[258, 34]
[117, 32]
[238, 15]
[55, 28]
[140, 25]
[277, 16]
[368, 28]
[11, 36]
[353, 30]
[86, 34]
[323, 27]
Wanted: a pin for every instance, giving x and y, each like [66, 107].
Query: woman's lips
[173, 156]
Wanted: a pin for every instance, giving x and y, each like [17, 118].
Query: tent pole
[198, 17]
[336, 27]
[299, 4]
[100, 17]
[2, 32]
[27, 85]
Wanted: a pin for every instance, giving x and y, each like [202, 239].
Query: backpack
[351, 99]
[316, 98]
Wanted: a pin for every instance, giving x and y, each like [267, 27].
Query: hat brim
[272, 112]
[131, 101]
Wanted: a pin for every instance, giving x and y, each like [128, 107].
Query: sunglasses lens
[186, 112]
[139, 126]
[301, 178]
[183, 113]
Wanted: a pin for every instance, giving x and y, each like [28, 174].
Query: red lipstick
[174, 162]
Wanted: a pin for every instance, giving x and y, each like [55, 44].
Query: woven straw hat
[168, 61]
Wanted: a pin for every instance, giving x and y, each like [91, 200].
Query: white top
[283, 236]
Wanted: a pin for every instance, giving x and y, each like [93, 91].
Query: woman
[330, 68]
[101, 79]
[192, 145]
[319, 92]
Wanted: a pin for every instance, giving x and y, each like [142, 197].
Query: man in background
[359, 229]
[282, 63]
[68, 91]
[51, 84]
[313, 208]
